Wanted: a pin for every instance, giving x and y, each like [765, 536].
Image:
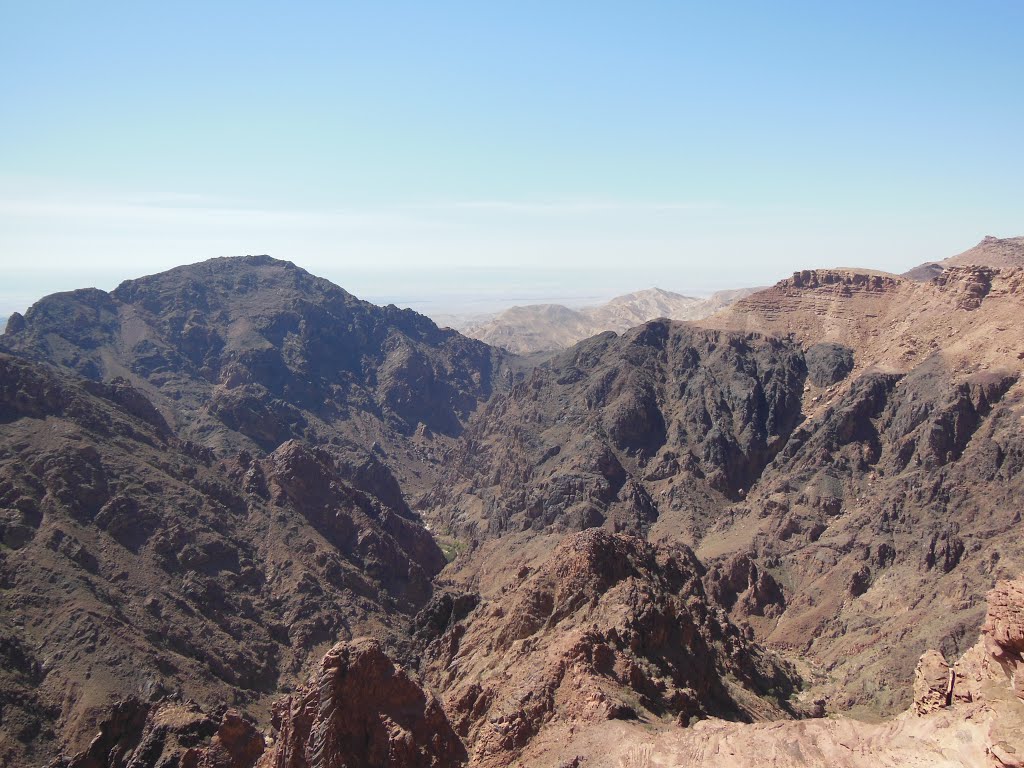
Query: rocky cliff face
[971, 719]
[998, 658]
[172, 733]
[360, 709]
[985, 683]
[966, 315]
[1004, 253]
[891, 509]
[847, 508]
[610, 629]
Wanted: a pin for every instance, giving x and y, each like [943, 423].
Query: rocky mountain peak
[360, 709]
[248, 352]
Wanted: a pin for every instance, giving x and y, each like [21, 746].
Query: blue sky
[554, 147]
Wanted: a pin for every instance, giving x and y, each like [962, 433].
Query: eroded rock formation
[171, 734]
[360, 710]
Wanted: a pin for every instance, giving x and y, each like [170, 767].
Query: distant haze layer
[434, 292]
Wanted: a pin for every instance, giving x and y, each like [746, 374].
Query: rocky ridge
[999, 252]
[849, 482]
[176, 733]
[897, 491]
[978, 724]
[575, 444]
[965, 316]
[607, 628]
[358, 709]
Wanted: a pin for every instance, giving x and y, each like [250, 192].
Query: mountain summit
[248, 352]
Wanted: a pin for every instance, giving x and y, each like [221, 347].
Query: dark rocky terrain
[197, 487]
[575, 444]
[229, 492]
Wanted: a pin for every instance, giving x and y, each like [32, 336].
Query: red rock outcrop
[741, 587]
[985, 685]
[360, 710]
[933, 683]
[1005, 620]
[999, 655]
[609, 627]
[171, 733]
[236, 744]
[969, 285]
[385, 543]
[839, 280]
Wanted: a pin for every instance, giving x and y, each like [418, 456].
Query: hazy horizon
[431, 292]
[451, 291]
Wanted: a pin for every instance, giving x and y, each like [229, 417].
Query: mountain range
[538, 328]
[247, 519]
